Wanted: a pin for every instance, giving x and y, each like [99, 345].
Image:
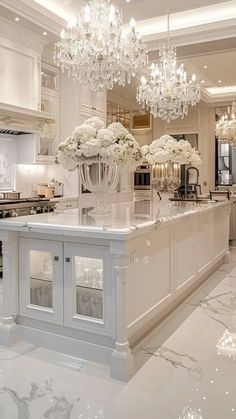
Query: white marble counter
[129, 218]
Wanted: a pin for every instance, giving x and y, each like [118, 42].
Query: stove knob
[51, 209]
[33, 211]
[39, 210]
[1, 214]
[6, 214]
[45, 209]
[14, 213]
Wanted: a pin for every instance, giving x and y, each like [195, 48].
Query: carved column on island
[8, 326]
[122, 358]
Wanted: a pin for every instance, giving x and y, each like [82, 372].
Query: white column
[8, 327]
[122, 358]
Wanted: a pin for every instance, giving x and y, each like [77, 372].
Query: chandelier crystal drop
[226, 127]
[98, 50]
[168, 94]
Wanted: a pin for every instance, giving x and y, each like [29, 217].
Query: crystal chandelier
[169, 93]
[226, 127]
[98, 50]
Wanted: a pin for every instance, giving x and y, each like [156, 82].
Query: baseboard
[66, 345]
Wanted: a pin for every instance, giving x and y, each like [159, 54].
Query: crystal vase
[99, 178]
[166, 179]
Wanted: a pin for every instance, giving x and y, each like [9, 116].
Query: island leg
[122, 358]
[8, 326]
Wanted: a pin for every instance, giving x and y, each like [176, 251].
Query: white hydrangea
[118, 129]
[167, 148]
[95, 122]
[114, 145]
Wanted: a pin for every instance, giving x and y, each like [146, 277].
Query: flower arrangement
[91, 140]
[167, 149]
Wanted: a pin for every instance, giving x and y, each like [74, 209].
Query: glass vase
[165, 180]
[100, 178]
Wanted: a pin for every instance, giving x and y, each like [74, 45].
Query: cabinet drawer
[66, 205]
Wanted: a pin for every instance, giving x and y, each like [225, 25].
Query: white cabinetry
[19, 75]
[41, 280]
[74, 299]
[87, 276]
[50, 103]
[66, 204]
[92, 104]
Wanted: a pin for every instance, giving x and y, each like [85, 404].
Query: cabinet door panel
[100, 103]
[41, 280]
[86, 98]
[88, 288]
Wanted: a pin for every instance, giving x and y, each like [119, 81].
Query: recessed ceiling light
[45, 33]
[17, 19]
[205, 66]
[202, 81]
[219, 81]
[127, 1]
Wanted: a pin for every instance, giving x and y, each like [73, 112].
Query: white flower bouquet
[92, 141]
[167, 149]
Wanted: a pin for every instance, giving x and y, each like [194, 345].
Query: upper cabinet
[92, 103]
[50, 103]
[19, 75]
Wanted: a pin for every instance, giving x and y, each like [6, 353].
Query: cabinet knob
[56, 258]
[67, 259]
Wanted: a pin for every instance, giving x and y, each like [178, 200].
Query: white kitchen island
[91, 287]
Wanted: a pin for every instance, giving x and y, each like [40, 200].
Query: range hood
[16, 120]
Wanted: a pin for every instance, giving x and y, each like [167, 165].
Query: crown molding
[195, 35]
[19, 35]
[35, 14]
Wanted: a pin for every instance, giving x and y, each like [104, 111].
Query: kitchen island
[92, 287]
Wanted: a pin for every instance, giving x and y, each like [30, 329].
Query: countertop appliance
[25, 206]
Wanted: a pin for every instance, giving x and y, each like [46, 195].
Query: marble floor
[186, 369]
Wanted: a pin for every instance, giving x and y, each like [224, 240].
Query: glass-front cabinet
[41, 280]
[87, 282]
[66, 283]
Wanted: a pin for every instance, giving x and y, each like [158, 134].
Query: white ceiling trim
[35, 14]
[189, 19]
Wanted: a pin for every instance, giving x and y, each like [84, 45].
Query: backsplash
[6, 164]
[27, 177]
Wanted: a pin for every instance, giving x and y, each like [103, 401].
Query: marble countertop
[127, 218]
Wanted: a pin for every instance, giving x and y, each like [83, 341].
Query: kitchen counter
[125, 219]
[93, 286]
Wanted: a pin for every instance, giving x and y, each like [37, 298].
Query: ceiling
[139, 9]
[203, 30]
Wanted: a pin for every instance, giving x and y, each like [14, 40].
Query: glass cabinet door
[41, 278]
[41, 281]
[88, 274]
[87, 297]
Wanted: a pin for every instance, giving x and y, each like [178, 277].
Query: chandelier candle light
[98, 50]
[169, 93]
[226, 127]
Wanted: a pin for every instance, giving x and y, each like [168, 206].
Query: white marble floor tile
[183, 370]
